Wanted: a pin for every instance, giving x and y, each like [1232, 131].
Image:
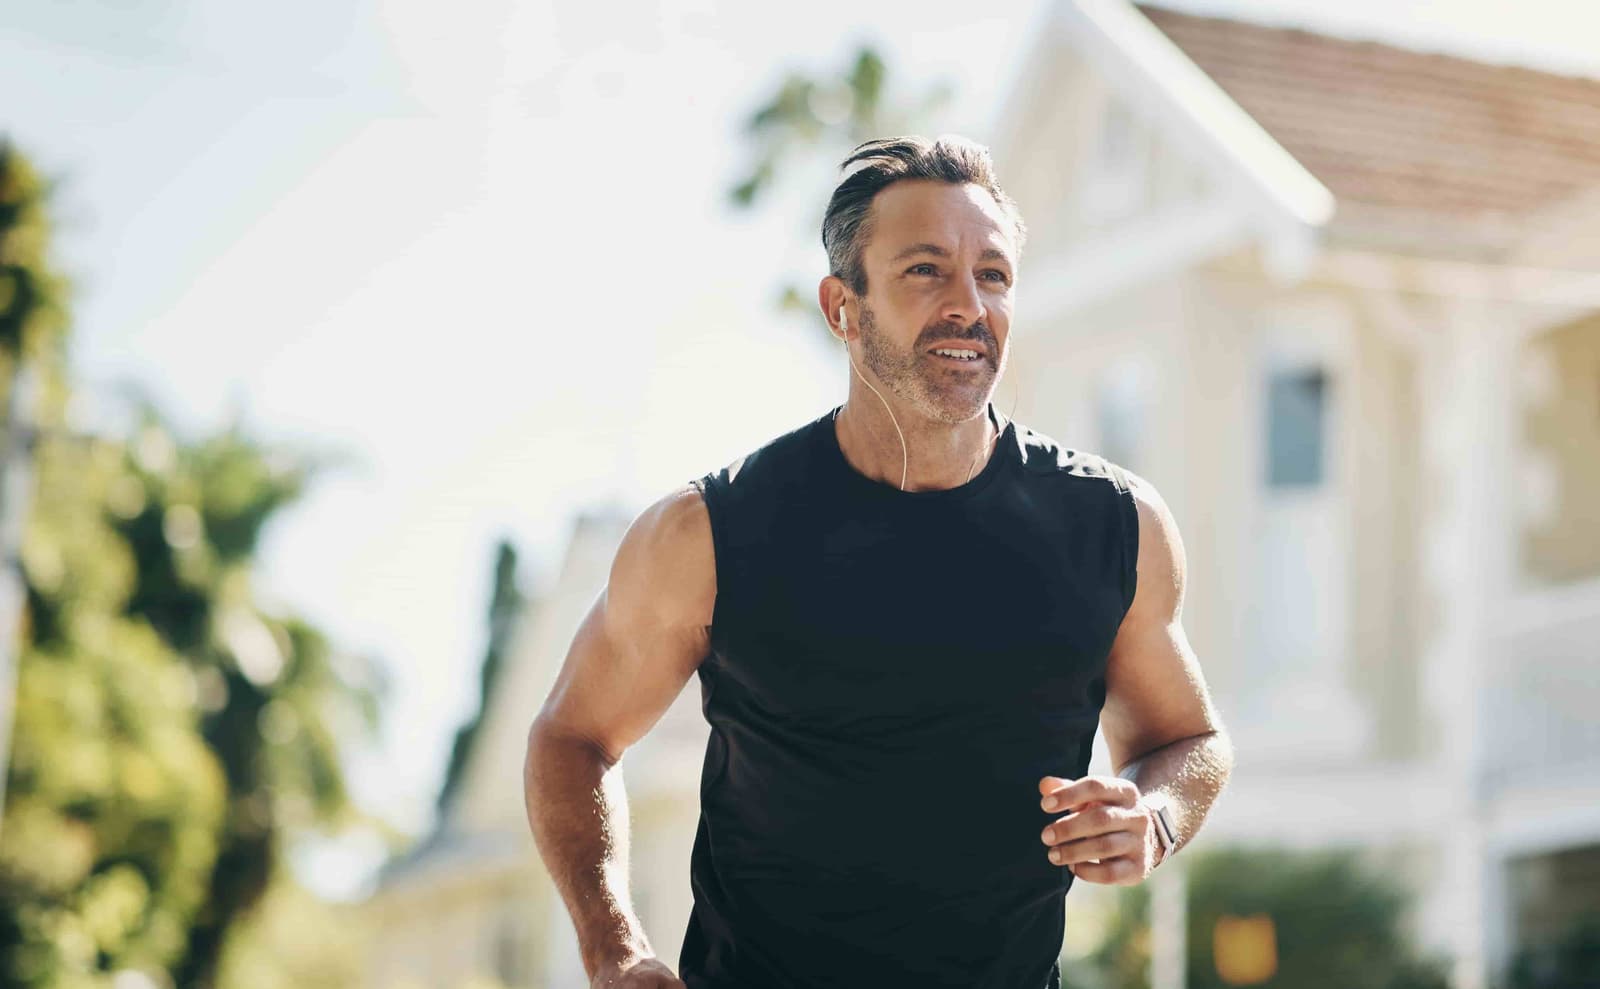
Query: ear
[832, 297]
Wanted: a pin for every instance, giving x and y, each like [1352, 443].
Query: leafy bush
[1571, 962]
[1331, 921]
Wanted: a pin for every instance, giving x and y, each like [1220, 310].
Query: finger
[1084, 824]
[1093, 821]
[1050, 784]
[1092, 789]
[1113, 872]
[1097, 849]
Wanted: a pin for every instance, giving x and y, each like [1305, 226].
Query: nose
[964, 305]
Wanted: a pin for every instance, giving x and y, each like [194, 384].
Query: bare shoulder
[1162, 565]
[1155, 691]
[646, 632]
[665, 569]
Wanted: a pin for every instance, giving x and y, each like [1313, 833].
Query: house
[1340, 302]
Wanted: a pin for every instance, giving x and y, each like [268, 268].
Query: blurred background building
[472, 901]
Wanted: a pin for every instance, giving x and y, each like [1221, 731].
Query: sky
[484, 251]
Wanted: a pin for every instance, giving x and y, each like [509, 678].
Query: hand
[639, 973]
[1106, 836]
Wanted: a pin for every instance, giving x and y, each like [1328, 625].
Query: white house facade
[1339, 302]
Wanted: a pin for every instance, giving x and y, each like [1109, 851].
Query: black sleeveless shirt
[890, 675]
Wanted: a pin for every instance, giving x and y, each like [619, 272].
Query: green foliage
[295, 941]
[171, 734]
[829, 114]
[1122, 961]
[274, 697]
[811, 113]
[506, 602]
[1338, 922]
[1571, 962]
[32, 320]
[113, 810]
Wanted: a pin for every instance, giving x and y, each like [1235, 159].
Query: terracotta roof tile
[1398, 133]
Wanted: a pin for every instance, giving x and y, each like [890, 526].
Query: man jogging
[908, 617]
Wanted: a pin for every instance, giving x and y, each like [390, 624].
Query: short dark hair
[847, 225]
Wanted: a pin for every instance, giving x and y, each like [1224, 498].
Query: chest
[981, 616]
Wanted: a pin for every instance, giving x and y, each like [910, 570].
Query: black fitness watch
[1166, 832]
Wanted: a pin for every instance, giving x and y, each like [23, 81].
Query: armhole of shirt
[716, 758]
[1128, 514]
[711, 493]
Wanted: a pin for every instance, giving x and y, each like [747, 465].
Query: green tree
[1122, 961]
[171, 734]
[113, 801]
[830, 114]
[273, 694]
[506, 602]
[1337, 923]
[1572, 961]
[1338, 920]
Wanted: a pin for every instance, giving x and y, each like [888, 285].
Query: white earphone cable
[844, 338]
[905, 457]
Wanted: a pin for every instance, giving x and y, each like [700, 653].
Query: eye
[925, 264]
[1000, 276]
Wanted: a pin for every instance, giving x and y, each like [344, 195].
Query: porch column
[1466, 438]
[1169, 926]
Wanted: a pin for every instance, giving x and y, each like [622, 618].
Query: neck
[938, 455]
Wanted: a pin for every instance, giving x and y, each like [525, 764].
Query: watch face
[1165, 832]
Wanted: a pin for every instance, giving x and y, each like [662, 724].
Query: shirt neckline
[833, 456]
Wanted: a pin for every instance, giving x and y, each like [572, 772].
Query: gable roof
[1431, 144]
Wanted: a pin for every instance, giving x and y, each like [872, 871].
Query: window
[1115, 184]
[1118, 137]
[1119, 411]
[1296, 413]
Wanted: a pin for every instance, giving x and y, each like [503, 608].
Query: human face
[941, 263]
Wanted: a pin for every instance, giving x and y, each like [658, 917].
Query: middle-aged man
[908, 619]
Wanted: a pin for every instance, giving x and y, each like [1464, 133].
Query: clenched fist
[1106, 836]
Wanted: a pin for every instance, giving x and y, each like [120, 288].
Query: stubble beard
[915, 381]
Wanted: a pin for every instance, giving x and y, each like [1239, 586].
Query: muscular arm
[640, 642]
[1163, 734]
[1161, 730]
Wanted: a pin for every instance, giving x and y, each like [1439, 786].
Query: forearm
[578, 811]
[1190, 773]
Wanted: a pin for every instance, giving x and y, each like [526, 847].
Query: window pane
[1120, 413]
[1295, 411]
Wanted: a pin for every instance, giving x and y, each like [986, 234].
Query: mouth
[967, 354]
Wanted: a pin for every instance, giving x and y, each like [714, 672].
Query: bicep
[1155, 691]
[646, 632]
